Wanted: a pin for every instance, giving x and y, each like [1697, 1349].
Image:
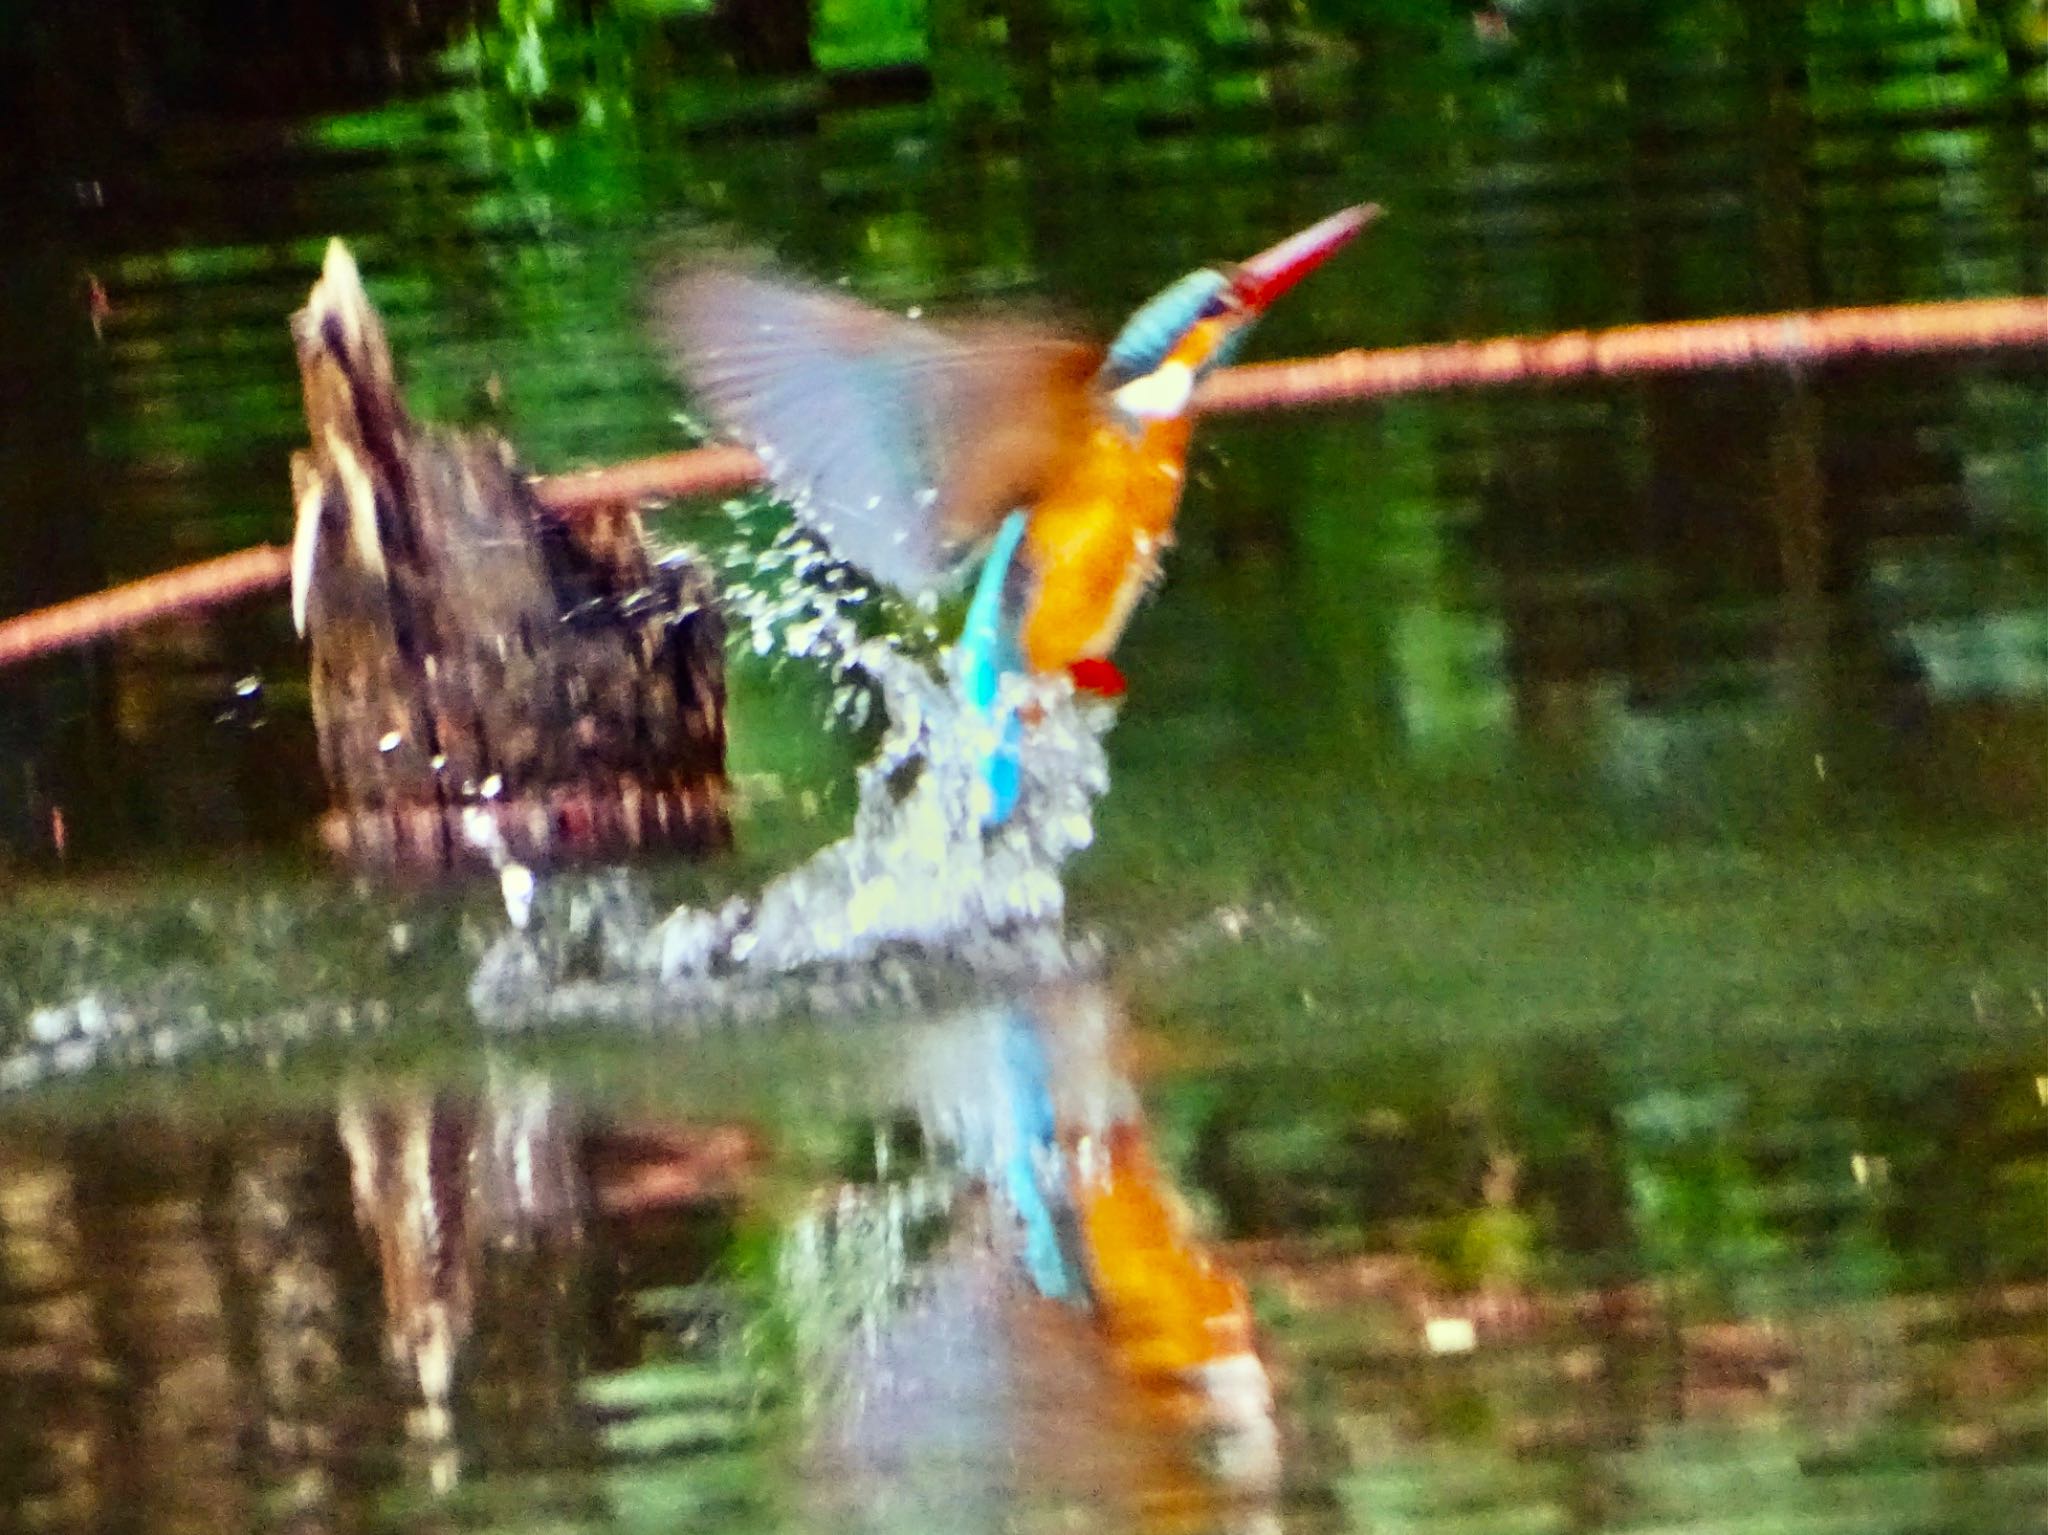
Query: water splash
[918, 895]
[168, 1024]
[917, 909]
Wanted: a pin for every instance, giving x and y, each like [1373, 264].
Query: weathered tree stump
[488, 679]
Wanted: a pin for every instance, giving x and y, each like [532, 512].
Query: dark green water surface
[1571, 881]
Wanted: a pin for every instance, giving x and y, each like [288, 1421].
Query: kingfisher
[913, 448]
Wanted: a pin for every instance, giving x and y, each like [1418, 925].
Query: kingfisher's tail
[988, 650]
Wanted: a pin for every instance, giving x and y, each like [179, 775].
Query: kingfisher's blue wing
[901, 444]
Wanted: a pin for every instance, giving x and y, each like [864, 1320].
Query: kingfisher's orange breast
[1094, 540]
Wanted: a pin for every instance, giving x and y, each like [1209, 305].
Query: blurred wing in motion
[903, 445]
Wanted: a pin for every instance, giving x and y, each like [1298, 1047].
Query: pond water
[1553, 1034]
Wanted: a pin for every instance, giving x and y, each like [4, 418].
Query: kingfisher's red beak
[1279, 267]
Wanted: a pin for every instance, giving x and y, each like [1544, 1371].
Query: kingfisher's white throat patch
[1159, 395]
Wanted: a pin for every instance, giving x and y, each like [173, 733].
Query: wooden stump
[482, 669]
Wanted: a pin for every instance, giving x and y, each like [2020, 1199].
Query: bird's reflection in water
[1007, 1315]
[1066, 1343]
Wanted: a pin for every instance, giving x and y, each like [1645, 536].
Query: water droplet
[516, 883]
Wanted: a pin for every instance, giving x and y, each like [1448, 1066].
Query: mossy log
[489, 679]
